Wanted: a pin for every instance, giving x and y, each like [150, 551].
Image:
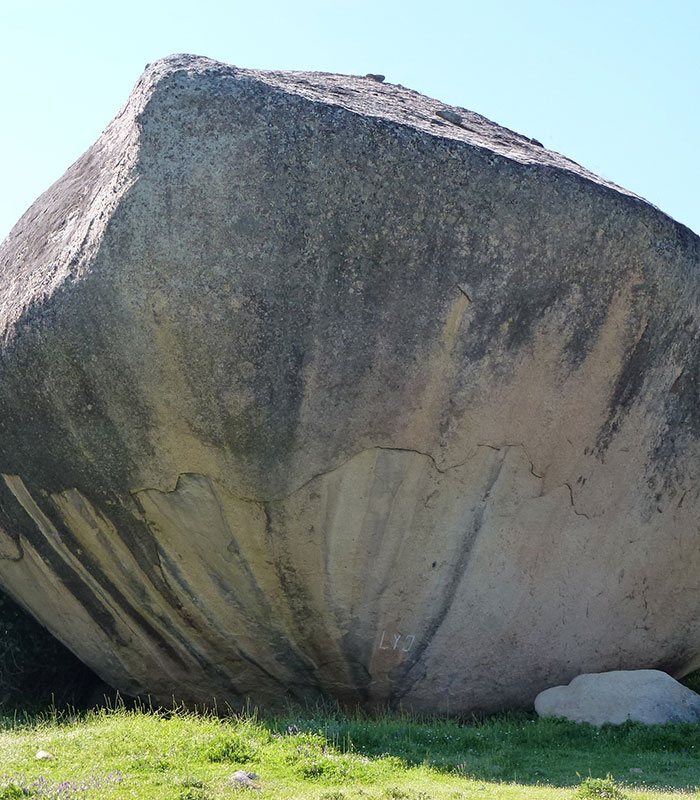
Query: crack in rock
[573, 504]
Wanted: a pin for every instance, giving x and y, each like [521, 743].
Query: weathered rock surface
[313, 386]
[643, 695]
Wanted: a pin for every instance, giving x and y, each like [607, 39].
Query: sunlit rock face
[311, 386]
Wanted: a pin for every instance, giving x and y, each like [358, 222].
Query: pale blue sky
[614, 85]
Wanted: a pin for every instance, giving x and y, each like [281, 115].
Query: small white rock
[244, 779]
[43, 755]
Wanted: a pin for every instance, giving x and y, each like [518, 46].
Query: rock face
[313, 386]
[644, 695]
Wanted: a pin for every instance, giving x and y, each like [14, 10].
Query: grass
[118, 754]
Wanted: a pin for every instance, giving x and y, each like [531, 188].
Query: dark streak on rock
[407, 673]
[628, 386]
[22, 523]
[296, 599]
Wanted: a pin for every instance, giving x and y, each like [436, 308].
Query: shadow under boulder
[36, 669]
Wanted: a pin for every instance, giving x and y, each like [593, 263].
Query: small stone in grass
[243, 779]
[42, 755]
[636, 770]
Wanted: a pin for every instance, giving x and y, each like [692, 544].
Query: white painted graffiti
[397, 641]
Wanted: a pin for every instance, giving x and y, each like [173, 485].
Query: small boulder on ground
[244, 780]
[644, 695]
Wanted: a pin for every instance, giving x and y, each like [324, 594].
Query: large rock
[643, 695]
[313, 386]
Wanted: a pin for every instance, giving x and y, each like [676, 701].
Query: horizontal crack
[280, 498]
[441, 470]
[514, 444]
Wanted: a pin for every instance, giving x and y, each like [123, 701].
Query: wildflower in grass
[45, 789]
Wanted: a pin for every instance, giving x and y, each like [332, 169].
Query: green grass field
[178, 755]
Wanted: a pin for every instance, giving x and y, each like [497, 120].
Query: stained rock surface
[312, 386]
[640, 695]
